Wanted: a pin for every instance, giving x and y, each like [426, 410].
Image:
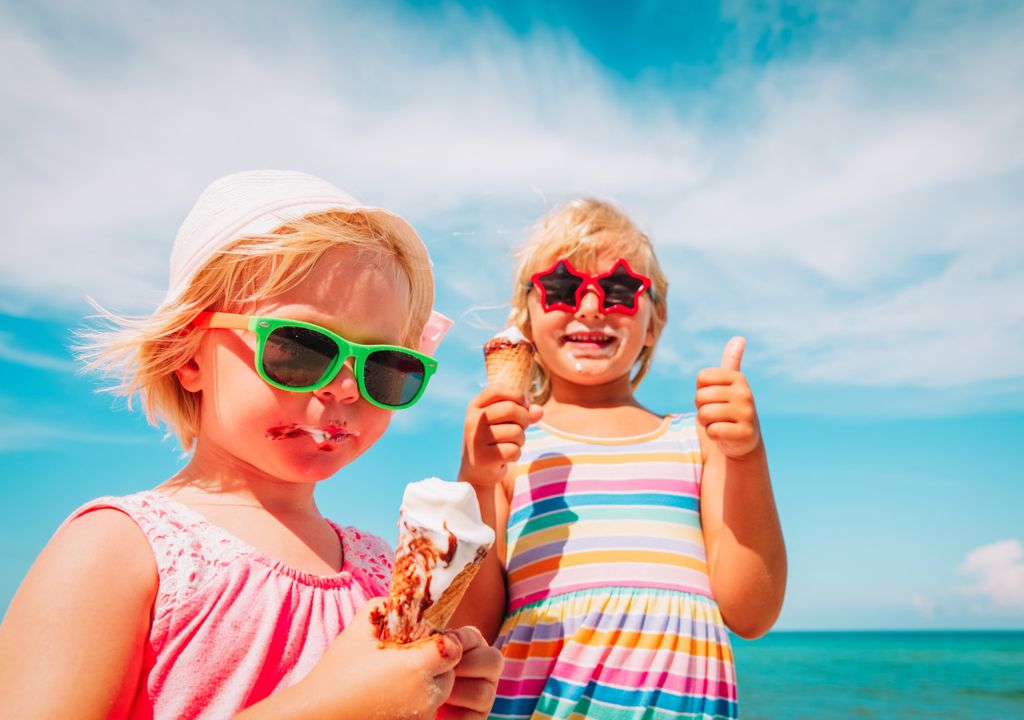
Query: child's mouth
[589, 340]
[325, 436]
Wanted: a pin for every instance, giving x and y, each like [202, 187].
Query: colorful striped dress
[610, 611]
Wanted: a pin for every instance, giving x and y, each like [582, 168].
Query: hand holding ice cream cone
[497, 418]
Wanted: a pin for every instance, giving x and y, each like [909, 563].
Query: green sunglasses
[302, 357]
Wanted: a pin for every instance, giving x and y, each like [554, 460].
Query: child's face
[300, 436]
[590, 347]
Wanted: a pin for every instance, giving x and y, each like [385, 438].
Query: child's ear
[189, 375]
[651, 337]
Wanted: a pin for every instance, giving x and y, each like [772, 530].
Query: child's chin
[587, 364]
[311, 470]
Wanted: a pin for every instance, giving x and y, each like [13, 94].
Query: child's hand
[476, 678]
[359, 677]
[493, 435]
[725, 404]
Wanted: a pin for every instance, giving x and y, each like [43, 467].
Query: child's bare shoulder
[85, 602]
[102, 542]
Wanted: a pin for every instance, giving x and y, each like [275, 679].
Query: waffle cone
[509, 364]
[436, 617]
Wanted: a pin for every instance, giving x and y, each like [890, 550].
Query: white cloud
[123, 153]
[856, 213]
[869, 215]
[997, 572]
[924, 606]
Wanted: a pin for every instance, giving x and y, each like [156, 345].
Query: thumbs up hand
[725, 404]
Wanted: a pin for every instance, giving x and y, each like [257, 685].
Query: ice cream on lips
[319, 434]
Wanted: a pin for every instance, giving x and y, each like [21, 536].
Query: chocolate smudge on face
[283, 432]
[323, 436]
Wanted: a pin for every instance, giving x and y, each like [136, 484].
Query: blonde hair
[143, 353]
[580, 230]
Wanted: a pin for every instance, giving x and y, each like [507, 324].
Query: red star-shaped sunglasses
[562, 287]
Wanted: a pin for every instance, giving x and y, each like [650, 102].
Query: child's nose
[590, 304]
[343, 388]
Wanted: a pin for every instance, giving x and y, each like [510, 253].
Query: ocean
[844, 675]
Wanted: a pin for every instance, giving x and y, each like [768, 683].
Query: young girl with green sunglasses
[297, 321]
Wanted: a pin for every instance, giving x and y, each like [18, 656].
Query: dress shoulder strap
[186, 548]
[368, 557]
[684, 429]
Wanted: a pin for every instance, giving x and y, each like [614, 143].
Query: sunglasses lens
[297, 357]
[559, 286]
[620, 288]
[392, 377]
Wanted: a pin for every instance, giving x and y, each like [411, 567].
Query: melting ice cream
[441, 543]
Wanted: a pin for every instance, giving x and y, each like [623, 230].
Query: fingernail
[448, 644]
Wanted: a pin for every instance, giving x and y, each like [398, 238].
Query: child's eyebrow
[362, 335]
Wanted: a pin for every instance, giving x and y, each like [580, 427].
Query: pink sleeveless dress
[230, 625]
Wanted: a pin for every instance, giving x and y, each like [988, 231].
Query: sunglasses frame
[588, 280]
[263, 326]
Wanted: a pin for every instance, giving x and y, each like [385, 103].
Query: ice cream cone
[442, 542]
[436, 617]
[509, 360]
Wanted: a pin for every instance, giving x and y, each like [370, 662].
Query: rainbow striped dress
[610, 611]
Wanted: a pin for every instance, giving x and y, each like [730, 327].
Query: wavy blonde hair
[580, 230]
[143, 353]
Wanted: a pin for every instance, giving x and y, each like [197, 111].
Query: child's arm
[742, 533]
[493, 437]
[71, 644]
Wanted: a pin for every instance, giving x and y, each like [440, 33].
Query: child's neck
[608, 411]
[604, 395]
[212, 478]
[280, 519]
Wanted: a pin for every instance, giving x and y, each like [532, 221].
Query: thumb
[370, 619]
[733, 353]
[536, 413]
[445, 653]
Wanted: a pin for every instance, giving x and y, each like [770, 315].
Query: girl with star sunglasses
[611, 515]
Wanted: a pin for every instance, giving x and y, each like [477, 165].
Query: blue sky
[840, 182]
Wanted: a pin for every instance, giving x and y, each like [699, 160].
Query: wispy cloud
[10, 352]
[866, 216]
[26, 433]
[997, 575]
[856, 212]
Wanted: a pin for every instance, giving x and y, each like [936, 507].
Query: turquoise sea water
[843, 675]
